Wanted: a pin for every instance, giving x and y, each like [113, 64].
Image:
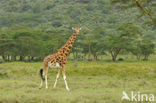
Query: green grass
[89, 82]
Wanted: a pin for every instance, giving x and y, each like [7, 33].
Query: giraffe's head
[76, 29]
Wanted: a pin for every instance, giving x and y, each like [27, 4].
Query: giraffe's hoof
[68, 89]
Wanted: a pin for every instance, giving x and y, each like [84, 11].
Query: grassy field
[89, 82]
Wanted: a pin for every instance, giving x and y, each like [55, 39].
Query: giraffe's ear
[73, 28]
[80, 28]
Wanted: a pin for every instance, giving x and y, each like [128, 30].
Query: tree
[96, 48]
[6, 46]
[146, 6]
[143, 47]
[113, 44]
[136, 50]
[27, 44]
[147, 48]
[121, 38]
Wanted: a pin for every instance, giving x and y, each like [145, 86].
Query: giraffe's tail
[41, 74]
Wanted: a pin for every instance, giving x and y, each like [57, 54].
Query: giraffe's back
[55, 60]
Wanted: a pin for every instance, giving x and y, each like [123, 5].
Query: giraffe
[58, 60]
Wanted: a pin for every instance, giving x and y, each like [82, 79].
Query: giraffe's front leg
[46, 81]
[58, 74]
[41, 84]
[64, 77]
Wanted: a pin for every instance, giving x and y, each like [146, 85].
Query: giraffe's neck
[67, 47]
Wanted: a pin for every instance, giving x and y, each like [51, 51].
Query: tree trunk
[113, 58]
[74, 56]
[89, 53]
[4, 57]
[32, 58]
[8, 58]
[21, 58]
[29, 58]
[13, 58]
[84, 57]
[146, 58]
[40, 58]
[138, 57]
[114, 53]
[95, 57]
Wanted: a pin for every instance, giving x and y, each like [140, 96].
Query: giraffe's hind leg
[58, 74]
[44, 75]
[46, 81]
[41, 85]
[42, 78]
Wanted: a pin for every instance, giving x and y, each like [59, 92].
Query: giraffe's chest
[54, 65]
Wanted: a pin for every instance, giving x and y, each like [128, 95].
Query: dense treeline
[30, 44]
[30, 29]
